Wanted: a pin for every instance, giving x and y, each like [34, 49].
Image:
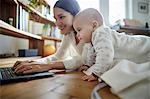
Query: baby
[107, 44]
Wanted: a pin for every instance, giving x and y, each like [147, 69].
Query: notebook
[7, 75]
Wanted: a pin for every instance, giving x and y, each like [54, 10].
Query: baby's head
[86, 22]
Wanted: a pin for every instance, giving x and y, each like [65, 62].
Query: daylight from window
[117, 6]
[89, 4]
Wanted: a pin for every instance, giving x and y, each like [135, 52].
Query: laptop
[7, 75]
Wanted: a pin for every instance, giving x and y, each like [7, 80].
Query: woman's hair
[70, 6]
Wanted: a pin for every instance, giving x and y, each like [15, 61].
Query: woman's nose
[58, 23]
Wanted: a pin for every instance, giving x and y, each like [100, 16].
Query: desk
[135, 30]
[62, 86]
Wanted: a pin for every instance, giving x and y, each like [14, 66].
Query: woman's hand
[27, 67]
[21, 62]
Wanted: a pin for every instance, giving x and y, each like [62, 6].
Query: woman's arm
[25, 68]
[43, 64]
[59, 53]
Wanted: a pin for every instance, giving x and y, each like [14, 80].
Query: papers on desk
[59, 71]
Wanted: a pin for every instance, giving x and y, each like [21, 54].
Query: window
[116, 10]
[83, 4]
[89, 4]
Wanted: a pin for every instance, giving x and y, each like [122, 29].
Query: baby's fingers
[92, 78]
[85, 77]
[81, 69]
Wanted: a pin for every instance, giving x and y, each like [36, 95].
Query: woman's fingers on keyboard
[30, 71]
[24, 68]
[20, 63]
[33, 68]
[18, 68]
[21, 67]
[27, 71]
[16, 64]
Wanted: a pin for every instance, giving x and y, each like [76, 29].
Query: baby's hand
[83, 68]
[91, 77]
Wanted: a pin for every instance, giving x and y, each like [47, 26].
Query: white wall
[10, 44]
[131, 11]
[7, 44]
[149, 15]
[104, 9]
[143, 17]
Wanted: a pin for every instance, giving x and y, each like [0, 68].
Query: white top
[68, 52]
[109, 45]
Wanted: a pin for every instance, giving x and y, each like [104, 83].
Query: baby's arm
[83, 68]
[104, 50]
[88, 55]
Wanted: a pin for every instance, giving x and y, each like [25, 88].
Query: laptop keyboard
[8, 73]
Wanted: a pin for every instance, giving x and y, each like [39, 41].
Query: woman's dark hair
[70, 6]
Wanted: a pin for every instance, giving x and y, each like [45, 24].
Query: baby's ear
[95, 24]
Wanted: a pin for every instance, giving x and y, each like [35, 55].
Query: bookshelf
[6, 13]
[36, 15]
[9, 9]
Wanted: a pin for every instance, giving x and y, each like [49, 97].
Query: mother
[64, 12]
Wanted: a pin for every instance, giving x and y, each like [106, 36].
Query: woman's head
[64, 12]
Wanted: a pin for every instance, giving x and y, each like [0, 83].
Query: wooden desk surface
[62, 86]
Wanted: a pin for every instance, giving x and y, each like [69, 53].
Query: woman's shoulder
[68, 37]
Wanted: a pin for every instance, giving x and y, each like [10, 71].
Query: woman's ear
[95, 24]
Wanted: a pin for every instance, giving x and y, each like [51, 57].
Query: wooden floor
[62, 86]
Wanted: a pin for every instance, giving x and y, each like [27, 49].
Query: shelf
[11, 1]
[135, 30]
[37, 16]
[10, 9]
[48, 2]
[9, 30]
[51, 38]
[35, 41]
